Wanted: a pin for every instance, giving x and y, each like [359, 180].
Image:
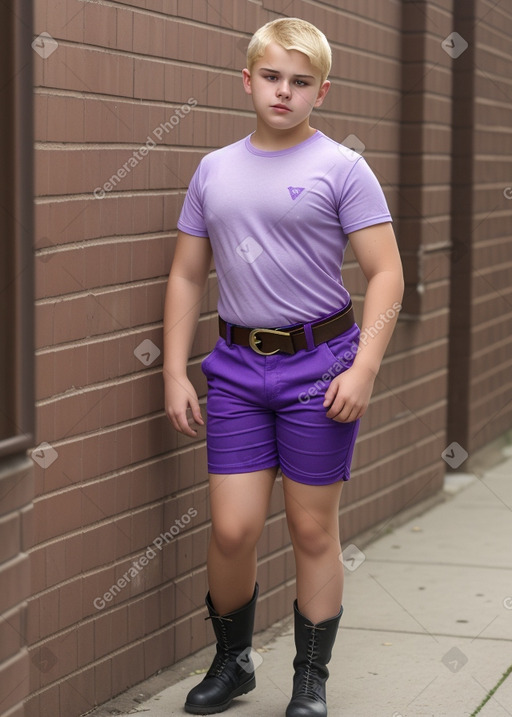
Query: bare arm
[376, 251]
[185, 290]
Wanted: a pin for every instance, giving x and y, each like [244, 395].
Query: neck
[270, 139]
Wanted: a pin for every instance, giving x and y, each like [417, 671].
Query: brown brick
[77, 693]
[191, 634]
[16, 485]
[70, 605]
[158, 650]
[16, 582]
[110, 632]
[12, 633]
[10, 536]
[103, 681]
[15, 674]
[47, 703]
[128, 668]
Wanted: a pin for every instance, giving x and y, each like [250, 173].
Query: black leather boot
[314, 645]
[232, 672]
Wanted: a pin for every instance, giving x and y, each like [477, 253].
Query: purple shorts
[266, 411]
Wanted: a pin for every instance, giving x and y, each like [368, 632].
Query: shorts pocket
[208, 360]
[342, 349]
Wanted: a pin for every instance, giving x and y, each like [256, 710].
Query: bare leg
[239, 507]
[312, 515]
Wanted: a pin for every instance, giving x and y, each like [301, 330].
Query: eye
[301, 83]
[271, 77]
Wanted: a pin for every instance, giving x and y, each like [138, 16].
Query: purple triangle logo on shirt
[295, 192]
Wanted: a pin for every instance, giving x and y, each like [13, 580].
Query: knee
[234, 538]
[314, 540]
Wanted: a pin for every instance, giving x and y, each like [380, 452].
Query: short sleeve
[362, 202]
[191, 219]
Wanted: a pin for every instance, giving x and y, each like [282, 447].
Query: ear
[322, 92]
[246, 79]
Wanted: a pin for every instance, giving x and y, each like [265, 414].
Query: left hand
[349, 394]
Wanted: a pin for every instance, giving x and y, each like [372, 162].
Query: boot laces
[308, 682]
[221, 657]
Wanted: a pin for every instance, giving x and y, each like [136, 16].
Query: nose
[283, 89]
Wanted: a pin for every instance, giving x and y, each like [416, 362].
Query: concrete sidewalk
[427, 628]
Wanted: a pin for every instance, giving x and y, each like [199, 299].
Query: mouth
[281, 107]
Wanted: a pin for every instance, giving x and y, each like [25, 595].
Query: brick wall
[115, 80]
[491, 356]
[16, 489]
[481, 322]
[16, 350]
[407, 135]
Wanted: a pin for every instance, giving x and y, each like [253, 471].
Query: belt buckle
[254, 341]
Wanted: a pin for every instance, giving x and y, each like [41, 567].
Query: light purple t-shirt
[278, 225]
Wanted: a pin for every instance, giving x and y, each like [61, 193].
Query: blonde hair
[292, 33]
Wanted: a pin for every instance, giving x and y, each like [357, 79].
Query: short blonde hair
[292, 33]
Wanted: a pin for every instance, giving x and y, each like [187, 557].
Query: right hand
[180, 396]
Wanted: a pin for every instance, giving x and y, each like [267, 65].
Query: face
[285, 87]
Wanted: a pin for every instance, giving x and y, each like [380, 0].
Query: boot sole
[213, 709]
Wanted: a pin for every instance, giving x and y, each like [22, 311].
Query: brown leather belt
[269, 341]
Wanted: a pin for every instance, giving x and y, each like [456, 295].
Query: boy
[278, 208]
